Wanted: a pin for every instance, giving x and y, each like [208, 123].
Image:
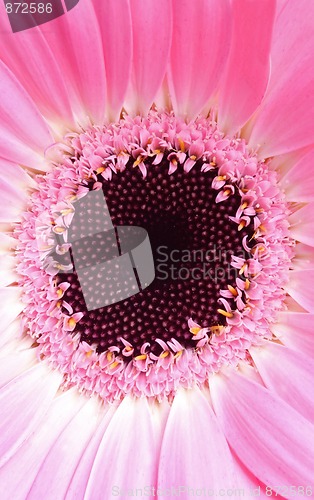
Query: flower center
[192, 239]
[218, 241]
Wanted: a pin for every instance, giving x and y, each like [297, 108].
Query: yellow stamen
[227, 314]
[109, 356]
[244, 205]
[89, 353]
[72, 323]
[67, 211]
[253, 236]
[139, 160]
[114, 365]
[193, 157]
[181, 144]
[227, 192]
[100, 170]
[164, 354]
[221, 178]
[243, 268]
[141, 357]
[59, 230]
[241, 225]
[232, 290]
[195, 330]
[247, 284]
[177, 354]
[59, 293]
[217, 329]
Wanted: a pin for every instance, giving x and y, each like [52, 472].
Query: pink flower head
[190, 126]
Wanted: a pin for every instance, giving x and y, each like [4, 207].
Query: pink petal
[25, 139]
[16, 175]
[78, 483]
[248, 483]
[7, 244]
[285, 120]
[30, 57]
[80, 58]
[248, 66]
[298, 183]
[129, 434]
[271, 439]
[295, 330]
[300, 287]
[287, 373]
[10, 305]
[116, 30]
[9, 333]
[201, 37]
[192, 433]
[13, 202]
[8, 274]
[304, 257]
[284, 162]
[151, 23]
[23, 404]
[12, 365]
[19, 473]
[302, 224]
[74, 438]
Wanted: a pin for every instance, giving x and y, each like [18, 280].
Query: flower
[170, 111]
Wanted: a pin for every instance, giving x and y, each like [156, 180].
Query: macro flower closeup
[182, 129]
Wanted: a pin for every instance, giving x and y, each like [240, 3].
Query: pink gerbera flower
[194, 121]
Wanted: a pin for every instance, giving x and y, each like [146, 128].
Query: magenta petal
[201, 37]
[285, 120]
[287, 373]
[271, 439]
[248, 66]
[151, 23]
[194, 450]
